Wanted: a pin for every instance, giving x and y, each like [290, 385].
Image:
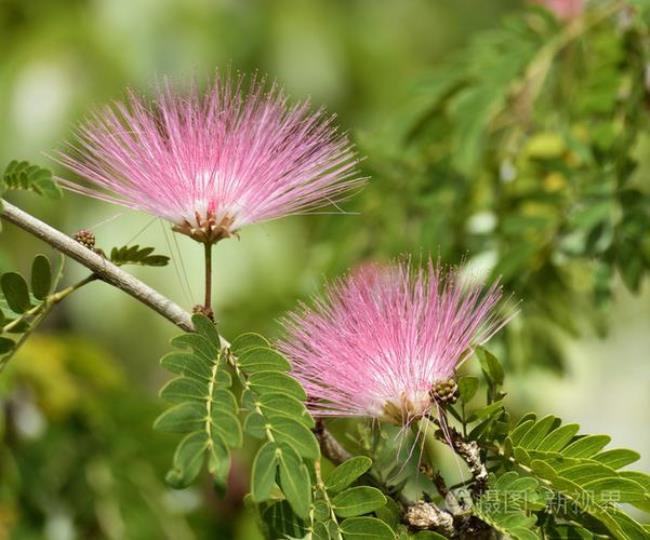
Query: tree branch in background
[102, 268]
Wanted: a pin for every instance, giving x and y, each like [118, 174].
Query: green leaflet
[267, 382]
[22, 175]
[137, 255]
[23, 305]
[617, 457]
[282, 522]
[277, 404]
[254, 359]
[197, 344]
[467, 387]
[296, 435]
[357, 501]
[346, 473]
[507, 504]
[264, 471]
[427, 535]
[366, 528]
[294, 480]
[568, 532]
[205, 407]
[15, 290]
[491, 367]
[276, 412]
[41, 281]
[283, 429]
[247, 341]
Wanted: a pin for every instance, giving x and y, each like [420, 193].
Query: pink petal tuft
[232, 156]
[379, 338]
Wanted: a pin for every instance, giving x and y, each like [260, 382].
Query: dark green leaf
[206, 328]
[262, 359]
[346, 473]
[182, 418]
[276, 404]
[264, 470]
[198, 344]
[247, 341]
[6, 345]
[267, 382]
[428, 535]
[357, 501]
[137, 255]
[283, 522]
[294, 481]
[296, 435]
[467, 387]
[184, 389]
[188, 364]
[218, 458]
[487, 411]
[321, 531]
[16, 292]
[23, 175]
[226, 424]
[366, 528]
[188, 460]
[491, 366]
[256, 425]
[41, 277]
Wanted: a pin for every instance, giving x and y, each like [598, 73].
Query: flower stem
[207, 303]
[428, 431]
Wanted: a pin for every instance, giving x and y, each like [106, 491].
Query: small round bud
[203, 310]
[85, 238]
[445, 391]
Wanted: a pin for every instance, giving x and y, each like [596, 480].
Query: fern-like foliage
[25, 176]
[143, 256]
[204, 409]
[23, 304]
[508, 503]
[207, 411]
[275, 412]
[581, 471]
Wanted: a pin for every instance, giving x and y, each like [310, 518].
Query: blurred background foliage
[493, 134]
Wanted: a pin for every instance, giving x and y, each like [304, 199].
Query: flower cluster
[377, 341]
[213, 162]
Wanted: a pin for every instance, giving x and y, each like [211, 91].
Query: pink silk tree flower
[213, 162]
[379, 339]
[563, 9]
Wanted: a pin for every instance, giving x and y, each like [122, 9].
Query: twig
[38, 314]
[469, 451]
[102, 268]
[329, 446]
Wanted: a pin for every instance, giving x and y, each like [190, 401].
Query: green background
[80, 458]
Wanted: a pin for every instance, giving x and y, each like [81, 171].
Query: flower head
[213, 162]
[380, 338]
[563, 9]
